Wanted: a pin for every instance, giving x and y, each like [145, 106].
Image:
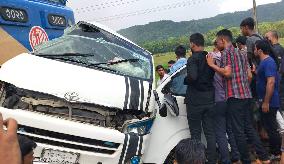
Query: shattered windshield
[90, 46]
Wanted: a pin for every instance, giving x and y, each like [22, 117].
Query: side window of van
[177, 86]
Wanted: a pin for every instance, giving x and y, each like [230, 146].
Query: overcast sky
[118, 14]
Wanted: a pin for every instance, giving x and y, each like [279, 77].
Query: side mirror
[170, 104]
[163, 111]
[167, 89]
[162, 107]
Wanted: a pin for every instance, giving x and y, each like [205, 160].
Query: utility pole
[255, 16]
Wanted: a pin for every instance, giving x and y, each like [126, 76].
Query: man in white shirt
[162, 74]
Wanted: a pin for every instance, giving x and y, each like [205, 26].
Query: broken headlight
[141, 127]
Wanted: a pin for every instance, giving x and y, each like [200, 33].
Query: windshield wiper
[117, 62]
[89, 65]
[62, 55]
[64, 59]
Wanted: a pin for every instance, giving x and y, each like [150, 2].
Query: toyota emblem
[71, 96]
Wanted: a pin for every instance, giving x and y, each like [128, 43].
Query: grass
[281, 40]
[162, 59]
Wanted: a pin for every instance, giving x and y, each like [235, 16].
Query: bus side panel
[21, 34]
[9, 46]
[17, 34]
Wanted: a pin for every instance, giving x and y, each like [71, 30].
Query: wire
[150, 10]
[105, 5]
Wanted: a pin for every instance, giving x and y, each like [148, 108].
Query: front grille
[68, 141]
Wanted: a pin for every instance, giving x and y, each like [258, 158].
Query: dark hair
[248, 22]
[225, 33]
[274, 34]
[242, 40]
[266, 47]
[197, 39]
[235, 44]
[26, 145]
[171, 62]
[190, 152]
[180, 51]
[159, 67]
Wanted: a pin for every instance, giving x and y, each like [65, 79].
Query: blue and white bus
[27, 23]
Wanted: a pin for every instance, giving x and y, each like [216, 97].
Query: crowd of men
[224, 88]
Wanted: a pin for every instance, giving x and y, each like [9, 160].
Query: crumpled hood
[75, 83]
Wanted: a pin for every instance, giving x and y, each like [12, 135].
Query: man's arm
[281, 60]
[192, 68]
[268, 94]
[250, 50]
[250, 71]
[249, 75]
[226, 71]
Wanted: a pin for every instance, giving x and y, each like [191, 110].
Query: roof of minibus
[104, 27]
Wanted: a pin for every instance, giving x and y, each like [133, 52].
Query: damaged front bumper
[90, 144]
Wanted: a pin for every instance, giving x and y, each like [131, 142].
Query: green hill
[169, 44]
[165, 29]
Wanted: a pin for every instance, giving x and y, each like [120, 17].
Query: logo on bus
[37, 36]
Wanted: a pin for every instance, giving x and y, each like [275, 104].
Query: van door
[177, 89]
[168, 131]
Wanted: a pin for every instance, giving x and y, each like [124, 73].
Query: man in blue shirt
[267, 87]
[180, 52]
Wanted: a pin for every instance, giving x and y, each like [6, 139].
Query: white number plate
[58, 157]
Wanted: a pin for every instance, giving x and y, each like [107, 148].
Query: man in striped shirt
[237, 74]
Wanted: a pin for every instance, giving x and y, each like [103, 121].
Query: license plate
[58, 157]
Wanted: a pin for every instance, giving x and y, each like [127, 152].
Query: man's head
[262, 47]
[215, 48]
[247, 26]
[190, 152]
[171, 63]
[272, 37]
[224, 37]
[161, 71]
[241, 42]
[180, 52]
[196, 42]
[27, 146]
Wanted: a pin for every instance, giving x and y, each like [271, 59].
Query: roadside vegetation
[168, 45]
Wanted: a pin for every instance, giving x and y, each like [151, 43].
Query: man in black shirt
[278, 51]
[247, 27]
[200, 96]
